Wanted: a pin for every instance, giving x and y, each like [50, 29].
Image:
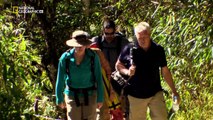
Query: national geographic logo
[26, 9]
[15, 9]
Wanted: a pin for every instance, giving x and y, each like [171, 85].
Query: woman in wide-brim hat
[79, 38]
[79, 78]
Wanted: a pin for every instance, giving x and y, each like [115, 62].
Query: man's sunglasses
[108, 33]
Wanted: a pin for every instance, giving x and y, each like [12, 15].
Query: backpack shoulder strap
[68, 56]
[131, 53]
[99, 42]
[119, 42]
[92, 60]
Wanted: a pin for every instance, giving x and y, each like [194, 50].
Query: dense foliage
[31, 44]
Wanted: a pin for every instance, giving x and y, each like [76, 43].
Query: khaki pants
[77, 113]
[156, 104]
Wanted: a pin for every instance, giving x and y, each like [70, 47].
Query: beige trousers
[156, 104]
[81, 112]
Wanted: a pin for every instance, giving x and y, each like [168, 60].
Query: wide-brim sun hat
[79, 38]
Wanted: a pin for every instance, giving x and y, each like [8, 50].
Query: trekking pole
[126, 113]
[125, 85]
[131, 63]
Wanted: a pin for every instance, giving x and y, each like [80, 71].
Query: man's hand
[62, 105]
[131, 70]
[99, 105]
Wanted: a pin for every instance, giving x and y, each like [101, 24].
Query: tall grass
[188, 40]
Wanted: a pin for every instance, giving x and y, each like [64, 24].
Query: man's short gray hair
[141, 27]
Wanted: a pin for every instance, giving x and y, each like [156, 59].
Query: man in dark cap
[111, 45]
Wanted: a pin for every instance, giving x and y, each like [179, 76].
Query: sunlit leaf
[22, 45]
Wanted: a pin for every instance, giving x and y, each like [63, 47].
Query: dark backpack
[118, 37]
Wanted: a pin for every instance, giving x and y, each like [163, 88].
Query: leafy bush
[22, 79]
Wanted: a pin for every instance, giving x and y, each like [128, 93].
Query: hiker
[144, 89]
[111, 100]
[79, 85]
[111, 44]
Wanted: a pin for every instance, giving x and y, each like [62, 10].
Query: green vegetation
[31, 44]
